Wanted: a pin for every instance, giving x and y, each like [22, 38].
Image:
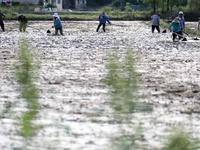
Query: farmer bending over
[156, 22]
[23, 22]
[57, 24]
[182, 20]
[2, 16]
[102, 21]
[176, 28]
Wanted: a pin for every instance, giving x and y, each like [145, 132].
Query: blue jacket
[176, 28]
[57, 23]
[156, 20]
[182, 22]
[104, 19]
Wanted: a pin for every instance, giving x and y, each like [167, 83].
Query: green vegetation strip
[27, 75]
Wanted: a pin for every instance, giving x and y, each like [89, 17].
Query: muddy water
[74, 111]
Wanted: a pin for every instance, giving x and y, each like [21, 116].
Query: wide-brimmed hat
[55, 15]
[160, 14]
[103, 14]
[176, 20]
[180, 13]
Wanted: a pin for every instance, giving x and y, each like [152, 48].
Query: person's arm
[3, 16]
[25, 19]
[99, 18]
[152, 17]
[108, 20]
[170, 26]
[184, 23]
[158, 20]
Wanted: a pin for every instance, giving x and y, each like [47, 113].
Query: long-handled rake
[34, 28]
[184, 38]
[165, 30]
[197, 30]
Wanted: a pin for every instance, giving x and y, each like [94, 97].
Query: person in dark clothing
[102, 21]
[23, 22]
[2, 16]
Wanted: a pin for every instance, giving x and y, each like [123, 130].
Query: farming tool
[33, 27]
[165, 30]
[117, 25]
[183, 37]
[198, 26]
[49, 30]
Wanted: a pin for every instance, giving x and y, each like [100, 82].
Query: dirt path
[72, 96]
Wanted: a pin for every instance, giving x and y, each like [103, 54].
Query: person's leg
[99, 27]
[20, 27]
[61, 31]
[153, 28]
[180, 33]
[24, 27]
[174, 36]
[104, 26]
[56, 31]
[158, 29]
[2, 26]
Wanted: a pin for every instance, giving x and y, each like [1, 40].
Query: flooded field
[74, 111]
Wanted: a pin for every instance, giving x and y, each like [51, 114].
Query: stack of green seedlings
[122, 80]
[27, 70]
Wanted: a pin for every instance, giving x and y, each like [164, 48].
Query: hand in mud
[52, 26]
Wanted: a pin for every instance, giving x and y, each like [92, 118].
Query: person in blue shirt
[176, 28]
[182, 20]
[57, 24]
[102, 21]
[156, 22]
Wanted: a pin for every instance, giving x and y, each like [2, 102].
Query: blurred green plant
[122, 80]
[128, 10]
[27, 69]
[107, 10]
[178, 140]
[117, 12]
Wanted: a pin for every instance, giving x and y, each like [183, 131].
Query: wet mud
[74, 110]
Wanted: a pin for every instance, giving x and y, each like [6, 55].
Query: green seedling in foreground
[26, 74]
[178, 140]
[122, 80]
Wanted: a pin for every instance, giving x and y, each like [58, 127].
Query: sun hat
[55, 15]
[176, 20]
[103, 14]
[180, 13]
[160, 14]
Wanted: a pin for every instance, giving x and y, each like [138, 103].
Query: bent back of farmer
[102, 21]
[2, 16]
[156, 22]
[57, 24]
[23, 22]
[176, 28]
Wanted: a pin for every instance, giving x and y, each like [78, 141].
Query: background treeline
[169, 8]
